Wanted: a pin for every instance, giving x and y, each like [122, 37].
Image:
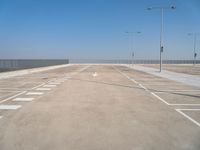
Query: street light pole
[161, 29]
[195, 41]
[132, 41]
[161, 38]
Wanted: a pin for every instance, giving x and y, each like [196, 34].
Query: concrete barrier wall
[15, 64]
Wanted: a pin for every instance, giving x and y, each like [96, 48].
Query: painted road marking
[143, 87]
[23, 99]
[34, 93]
[49, 85]
[95, 74]
[43, 89]
[184, 104]
[158, 97]
[56, 83]
[8, 107]
[12, 97]
[60, 81]
[188, 117]
[37, 86]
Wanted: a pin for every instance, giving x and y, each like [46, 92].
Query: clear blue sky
[95, 28]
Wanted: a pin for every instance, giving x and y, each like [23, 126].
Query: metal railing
[128, 61]
[15, 64]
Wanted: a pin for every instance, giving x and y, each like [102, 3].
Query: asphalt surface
[98, 107]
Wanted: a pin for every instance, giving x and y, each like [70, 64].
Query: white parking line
[158, 97]
[59, 81]
[143, 87]
[37, 86]
[188, 117]
[8, 107]
[43, 89]
[184, 104]
[12, 97]
[54, 83]
[23, 99]
[34, 93]
[49, 85]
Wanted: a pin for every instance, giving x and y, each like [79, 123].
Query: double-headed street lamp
[195, 41]
[132, 41]
[161, 29]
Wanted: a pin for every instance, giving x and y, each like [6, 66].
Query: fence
[15, 64]
[128, 61]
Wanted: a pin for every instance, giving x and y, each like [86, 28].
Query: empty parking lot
[98, 107]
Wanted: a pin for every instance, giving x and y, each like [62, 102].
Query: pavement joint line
[187, 116]
[9, 107]
[9, 98]
[34, 93]
[43, 89]
[23, 99]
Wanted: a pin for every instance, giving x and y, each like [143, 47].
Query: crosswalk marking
[43, 89]
[8, 107]
[24, 99]
[56, 83]
[49, 85]
[34, 93]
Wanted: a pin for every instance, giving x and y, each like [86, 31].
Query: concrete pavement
[116, 109]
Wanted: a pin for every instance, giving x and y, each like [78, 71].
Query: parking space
[183, 98]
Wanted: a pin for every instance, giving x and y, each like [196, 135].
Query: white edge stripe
[188, 117]
[159, 98]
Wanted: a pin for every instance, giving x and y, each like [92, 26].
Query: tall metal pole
[194, 46]
[132, 44]
[195, 54]
[161, 38]
[132, 58]
[161, 29]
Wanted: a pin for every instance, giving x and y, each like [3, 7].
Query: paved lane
[105, 111]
